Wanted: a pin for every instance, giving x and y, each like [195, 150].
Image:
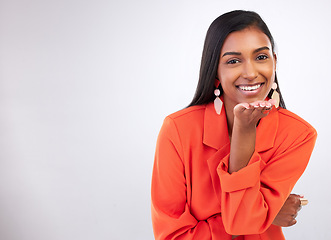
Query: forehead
[247, 39]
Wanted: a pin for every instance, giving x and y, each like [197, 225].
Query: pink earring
[275, 94]
[218, 102]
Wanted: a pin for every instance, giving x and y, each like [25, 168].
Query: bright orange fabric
[194, 196]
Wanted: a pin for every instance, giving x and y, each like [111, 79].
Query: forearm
[253, 196]
[242, 146]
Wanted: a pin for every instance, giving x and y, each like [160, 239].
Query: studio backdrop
[85, 86]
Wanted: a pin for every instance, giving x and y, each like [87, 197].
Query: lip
[250, 89]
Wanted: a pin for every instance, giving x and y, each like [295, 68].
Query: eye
[233, 61]
[262, 57]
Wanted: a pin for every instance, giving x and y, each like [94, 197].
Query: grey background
[85, 86]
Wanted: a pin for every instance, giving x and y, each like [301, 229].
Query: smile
[250, 88]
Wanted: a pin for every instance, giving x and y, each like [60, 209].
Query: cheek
[268, 72]
[226, 81]
[270, 77]
[228, 76]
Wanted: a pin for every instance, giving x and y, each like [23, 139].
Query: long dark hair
[220, 28]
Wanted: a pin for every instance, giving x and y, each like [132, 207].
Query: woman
[225, 166]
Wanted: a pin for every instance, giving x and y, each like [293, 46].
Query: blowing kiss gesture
[246, 118]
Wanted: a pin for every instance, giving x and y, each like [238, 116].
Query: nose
[249, 71]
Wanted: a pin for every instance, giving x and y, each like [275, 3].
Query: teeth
[250, 88]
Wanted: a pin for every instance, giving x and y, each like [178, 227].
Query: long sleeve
[252, 197]
[193, 195]
[171, 214]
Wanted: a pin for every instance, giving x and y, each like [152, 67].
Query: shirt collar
[216, 129]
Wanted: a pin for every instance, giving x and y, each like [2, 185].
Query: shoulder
[294, 127]
[188, 113]
[290, 119]
[185, 121]
[187, 117]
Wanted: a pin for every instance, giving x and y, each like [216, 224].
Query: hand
[243, 134]
[289, 211]
[248, 114]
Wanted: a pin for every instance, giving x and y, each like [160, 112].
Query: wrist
[244, 126]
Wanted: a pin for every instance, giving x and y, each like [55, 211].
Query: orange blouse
[194, 196]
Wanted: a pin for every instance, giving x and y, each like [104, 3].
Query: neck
[229, 115]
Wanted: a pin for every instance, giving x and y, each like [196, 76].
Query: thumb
[241, 107]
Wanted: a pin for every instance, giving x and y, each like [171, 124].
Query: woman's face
[247, 67]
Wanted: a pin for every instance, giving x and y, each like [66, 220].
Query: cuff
[246, 177]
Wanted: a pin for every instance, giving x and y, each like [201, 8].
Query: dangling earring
[217, 102]
[275, 94]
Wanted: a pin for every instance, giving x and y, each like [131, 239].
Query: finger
[301, 198]
[266, 111]
[261, 104]
[267, 108]
[241, 107]
[300, 207]
[295, 195]
[303, 201]
[245, 105]
[255, 104]
[272, 102]
[292, 222]
[295, 198]
[269, 105]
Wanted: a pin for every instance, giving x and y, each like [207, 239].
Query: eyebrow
[239, 53]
